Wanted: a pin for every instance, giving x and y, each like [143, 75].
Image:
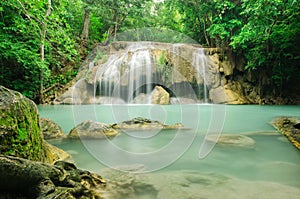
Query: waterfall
[131, 73]
[140, 73]
[127, 75]
[200, 64]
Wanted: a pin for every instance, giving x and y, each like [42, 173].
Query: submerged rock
[90, 129]
[50, 129]
[21, 178]
[192, 185]
[288, 127]
[140, 123]
[232, 140]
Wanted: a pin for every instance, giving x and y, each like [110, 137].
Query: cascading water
[124, 75]
[134, 72]
[200, 64]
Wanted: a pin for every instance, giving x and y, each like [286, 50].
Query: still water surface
[271, 163]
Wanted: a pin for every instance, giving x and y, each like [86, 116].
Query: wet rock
[29, 179]
[53, 154]
[141, 99]
[90, 129]
[232, 140]
[181, 100]
[296, 126]
[140, 123]
[288, 127]
[228, 94]
[80, 93]
[104, 100]
[160, 96]
[50, 129]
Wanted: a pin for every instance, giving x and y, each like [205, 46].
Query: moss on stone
[20, 134]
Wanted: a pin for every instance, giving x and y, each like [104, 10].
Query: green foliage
[265, 32]
[164, 69]
[24, 28]
[269, 38]
[162, 58]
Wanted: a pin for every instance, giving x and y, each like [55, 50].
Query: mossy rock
[20, 134]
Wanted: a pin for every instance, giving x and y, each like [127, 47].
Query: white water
[133, 72]
[200, 64]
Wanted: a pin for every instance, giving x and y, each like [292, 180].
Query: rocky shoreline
[30, 167]
[22, 178]
[290, 127]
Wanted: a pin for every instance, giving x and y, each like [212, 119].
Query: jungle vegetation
[43, 42]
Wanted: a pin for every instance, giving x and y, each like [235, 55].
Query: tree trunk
[42, 48]
[85, 28]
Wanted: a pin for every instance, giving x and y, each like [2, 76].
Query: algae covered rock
[20, 133]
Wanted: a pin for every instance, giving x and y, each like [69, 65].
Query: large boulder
[50, 129]
[20, 133]
[90, 129]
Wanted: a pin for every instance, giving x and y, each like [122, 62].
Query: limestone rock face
[50, 129]
[211, 73]
[20, 134]
[231, 93]
[90, 129]
[160, 96]
[80, 93]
